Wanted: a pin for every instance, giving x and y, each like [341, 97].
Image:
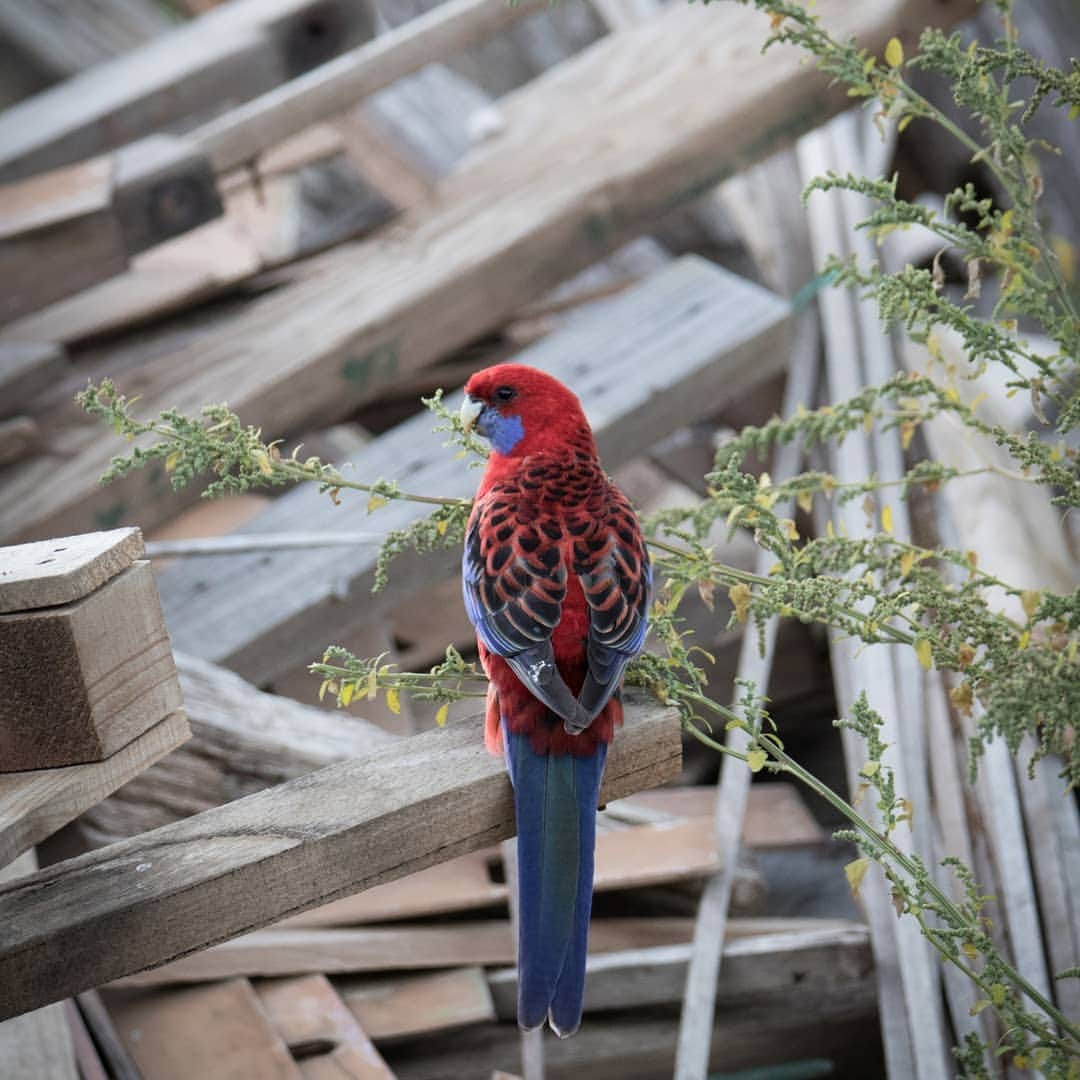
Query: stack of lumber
[317, 212]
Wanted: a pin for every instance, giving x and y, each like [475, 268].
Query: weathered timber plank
[499, 232]
[794, 969]
[160, 896]
[645, 362]
[37, 1044]
[308, 1013]
[62, 220]
[390, 948]
[34, 804]
[409, 1005]
[642, 1047]
[231, 54]
[218, 1032]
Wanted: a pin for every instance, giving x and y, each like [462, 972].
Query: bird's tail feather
[555, 798]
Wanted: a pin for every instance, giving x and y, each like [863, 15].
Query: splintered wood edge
[34, 804]
[154, 898]
[46, 573]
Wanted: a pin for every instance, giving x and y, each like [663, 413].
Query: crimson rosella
[556, 581]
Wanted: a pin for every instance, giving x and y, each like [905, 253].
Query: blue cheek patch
[505, 432]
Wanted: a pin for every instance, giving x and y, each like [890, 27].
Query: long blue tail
[555, 799]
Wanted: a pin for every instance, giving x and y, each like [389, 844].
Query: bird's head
[521, 410]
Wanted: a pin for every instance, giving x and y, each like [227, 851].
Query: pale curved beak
[471, 408]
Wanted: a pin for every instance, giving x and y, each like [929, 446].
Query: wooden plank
[26, 369]
[372, 311]
[322, 1034]
[231, 54]
[911, 1014]
[118, 1061]
[100, 670]
[643, 363]
[637, 1047]
[390, 948]
[776, 815]
[217, 1032]
[86, 1056]
[58, 234]
[242, 741]
[754, 666]
[788, 969]
[160, 896]
[171, 277]
[59, 571]
[410, 1005]
[37, 1044]
[34, 804]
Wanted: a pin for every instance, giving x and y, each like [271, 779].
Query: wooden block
[643, 363]
[58, 234]
[183, 887]
[26, 369]
[390, 948]
[33, 805]
[322, 1034]
[413, 1005]
[218, 1032]
[53, 572]
[83, 679]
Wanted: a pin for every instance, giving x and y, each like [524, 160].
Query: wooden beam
[408, 947]
[34, 804]
[217, 1032]
[155, 898]
[504, 233]
[791, 967]
[644, 363]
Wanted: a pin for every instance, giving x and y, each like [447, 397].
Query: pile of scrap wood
[317, 211]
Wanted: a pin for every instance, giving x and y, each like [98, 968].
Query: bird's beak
[471, 408]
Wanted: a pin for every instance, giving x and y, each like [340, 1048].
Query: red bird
[557, 582]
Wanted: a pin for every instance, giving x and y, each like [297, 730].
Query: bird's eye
[505, 393]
